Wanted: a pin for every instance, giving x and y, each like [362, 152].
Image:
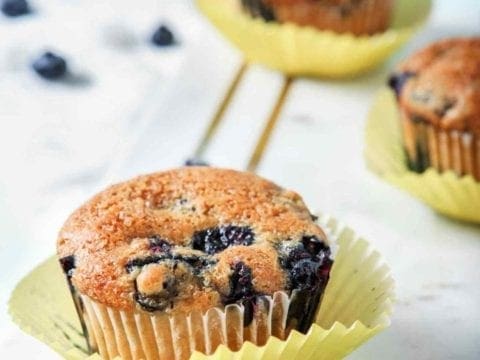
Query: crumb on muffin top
[440, 84]
[190, 239]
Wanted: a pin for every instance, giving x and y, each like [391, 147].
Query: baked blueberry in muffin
[438, 94]
[189, 240]
[359, 17]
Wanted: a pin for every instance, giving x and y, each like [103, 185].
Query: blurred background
[130, 106]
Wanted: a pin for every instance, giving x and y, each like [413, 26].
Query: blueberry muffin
[438, 93]
[359, 17]
[191, 258]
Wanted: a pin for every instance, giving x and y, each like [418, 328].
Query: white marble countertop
[140, 108]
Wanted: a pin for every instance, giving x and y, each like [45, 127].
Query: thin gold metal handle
[219, 114]
[270, 126]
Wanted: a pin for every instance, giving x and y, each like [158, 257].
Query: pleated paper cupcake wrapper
[135, 335]
[427, 146]
[302, 50]
[445, 191]
[356, 305]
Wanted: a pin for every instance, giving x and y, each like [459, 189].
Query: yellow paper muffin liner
[135, 335]
[356, 305]
[298, 50]
[446, 192]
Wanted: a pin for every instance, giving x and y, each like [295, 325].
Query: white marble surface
[142, 109]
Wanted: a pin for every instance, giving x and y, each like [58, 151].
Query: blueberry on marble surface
[50, 66]
[217, 239]
[163, 36]
[195, 162]
[14, 8]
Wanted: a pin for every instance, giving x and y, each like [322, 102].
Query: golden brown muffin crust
[358, 17]
[115, 228]
[444, 85]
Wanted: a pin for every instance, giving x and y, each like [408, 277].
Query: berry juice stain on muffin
[196, 238]
[195, 162]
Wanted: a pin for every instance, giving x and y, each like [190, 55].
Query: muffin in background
[358, 17]
[192, 258]
[438, 94]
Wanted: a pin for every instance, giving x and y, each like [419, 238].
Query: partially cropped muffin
[359, 17]
[438, 93]
[191, 258]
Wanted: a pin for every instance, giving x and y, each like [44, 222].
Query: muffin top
[191, 239]
[440, 85]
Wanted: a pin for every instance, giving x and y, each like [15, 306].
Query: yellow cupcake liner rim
[297, 50]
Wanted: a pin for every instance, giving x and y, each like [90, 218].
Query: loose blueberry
[305, 275]
[163, 36]
[68, 265]
[215, 240]
[15, 8]
[159, 245]
[50, 66]
[398, 81]
[313, 217]
[195, 162]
